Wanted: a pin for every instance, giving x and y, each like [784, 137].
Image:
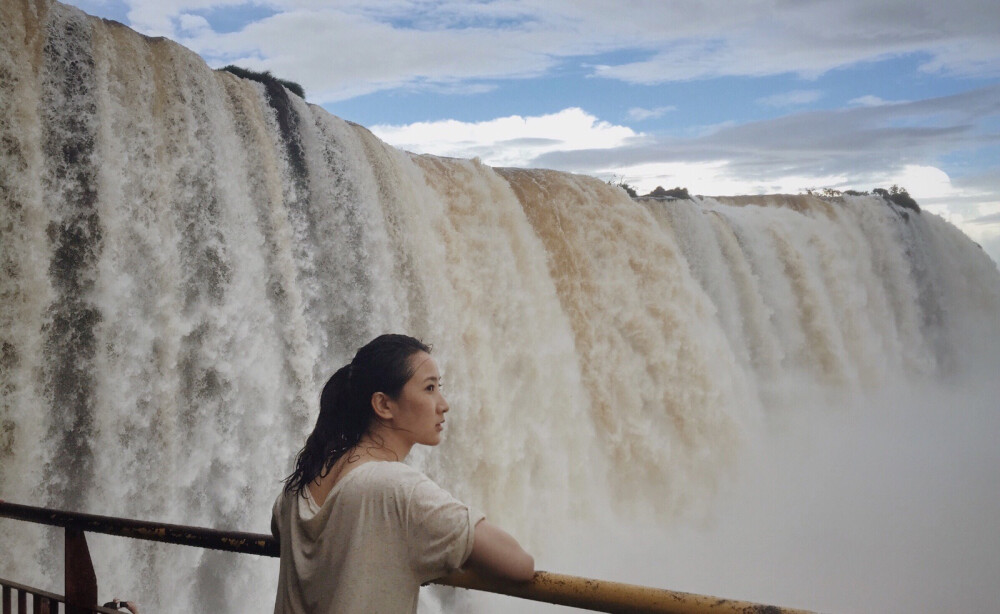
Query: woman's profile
[359, 530]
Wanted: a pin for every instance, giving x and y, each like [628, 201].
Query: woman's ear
[382, 405]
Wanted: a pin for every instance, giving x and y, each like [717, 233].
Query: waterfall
[186, 256]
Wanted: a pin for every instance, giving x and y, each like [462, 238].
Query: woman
[359, 530]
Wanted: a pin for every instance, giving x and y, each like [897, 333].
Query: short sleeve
[440, 530]
[275, 512]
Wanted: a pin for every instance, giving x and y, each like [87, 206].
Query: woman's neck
[371, 448]
[382, 443]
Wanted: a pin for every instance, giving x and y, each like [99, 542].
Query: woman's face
[421, 406]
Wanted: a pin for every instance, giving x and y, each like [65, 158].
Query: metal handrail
[48, 601]
[585, 593]
[213, 539]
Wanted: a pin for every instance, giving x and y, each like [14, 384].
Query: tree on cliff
[623, 185]
[677, 192]
[265, 77]
[899, 196]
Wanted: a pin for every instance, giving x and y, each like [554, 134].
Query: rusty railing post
[81, 581]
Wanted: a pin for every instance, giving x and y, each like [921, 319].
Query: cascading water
[186, 256]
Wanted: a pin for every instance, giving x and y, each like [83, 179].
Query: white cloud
[791, 99]
[992, 218]
[508, 141]
[337, 55]
[707, 178]
[192, 24]
[640, 114]
[458, 89]
[766, 38]
[923, 181]
[868, 101]
[165, 17]
[854, 142]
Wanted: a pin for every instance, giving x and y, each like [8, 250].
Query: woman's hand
[496, 553]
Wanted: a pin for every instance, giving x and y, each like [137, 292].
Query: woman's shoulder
[392, 478]
[407, 486]
[390, 472]
[380, 481]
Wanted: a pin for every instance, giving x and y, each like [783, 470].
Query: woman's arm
[496, 553]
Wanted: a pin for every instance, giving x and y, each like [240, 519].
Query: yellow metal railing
[585, 593]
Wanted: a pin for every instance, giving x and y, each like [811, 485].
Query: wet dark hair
[345, 410]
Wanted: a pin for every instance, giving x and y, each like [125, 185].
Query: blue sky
[721, 97]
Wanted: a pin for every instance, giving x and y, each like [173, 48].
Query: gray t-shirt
[383, 530]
